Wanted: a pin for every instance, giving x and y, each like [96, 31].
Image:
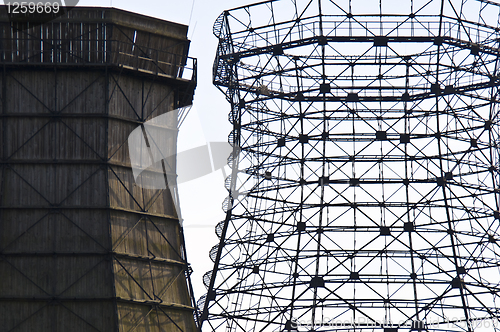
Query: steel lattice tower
[366, 189]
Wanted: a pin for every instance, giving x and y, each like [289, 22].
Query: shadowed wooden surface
[82, 246]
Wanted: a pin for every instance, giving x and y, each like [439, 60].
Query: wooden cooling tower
[82, 246]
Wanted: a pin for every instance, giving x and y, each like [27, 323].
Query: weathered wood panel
[40, 231]
[142, 318]
[46, 276]
[71, 316]
[134, 234]
[49, 185]
[30, 92]
[39, 138]
[138, 281]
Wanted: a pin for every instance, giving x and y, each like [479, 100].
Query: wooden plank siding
[82, 246]
[101, 36]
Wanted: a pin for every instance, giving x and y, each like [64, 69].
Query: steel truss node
[365, 195]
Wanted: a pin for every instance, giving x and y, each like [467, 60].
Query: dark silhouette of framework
[82, 246]
[365, 196]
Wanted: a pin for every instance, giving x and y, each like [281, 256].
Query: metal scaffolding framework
[365, 194]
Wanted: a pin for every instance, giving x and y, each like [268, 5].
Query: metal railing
[98, 51]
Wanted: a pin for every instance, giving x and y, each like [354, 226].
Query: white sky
[201, 199]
